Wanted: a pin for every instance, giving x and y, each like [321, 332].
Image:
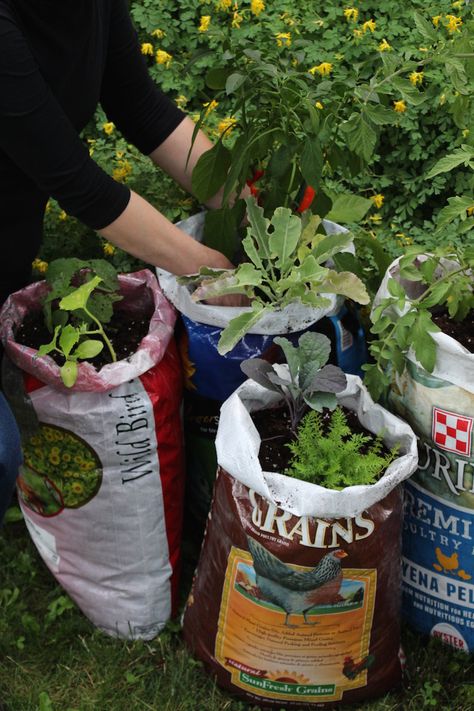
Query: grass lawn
[52, 658]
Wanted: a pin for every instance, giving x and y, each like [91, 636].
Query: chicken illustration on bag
[293, 591]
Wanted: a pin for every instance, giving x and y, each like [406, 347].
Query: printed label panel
[315, 656]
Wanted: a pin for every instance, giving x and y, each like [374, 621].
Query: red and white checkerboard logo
[452, 432]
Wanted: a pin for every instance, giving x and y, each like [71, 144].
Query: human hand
[229, 300]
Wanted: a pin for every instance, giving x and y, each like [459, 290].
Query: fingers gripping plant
[287, 264]
[75, 313]
[308, 382]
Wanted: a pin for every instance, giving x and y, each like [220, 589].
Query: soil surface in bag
[297, 612]
[461, 331]
[273, 426]
[125, 331]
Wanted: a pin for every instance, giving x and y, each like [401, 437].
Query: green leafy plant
[332, 456]
[287, 264]
[403, 320]
[309, 380]
[75, 311]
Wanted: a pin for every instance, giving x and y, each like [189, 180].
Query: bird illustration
[447, 563]
[352, 669]
[463, 575]
[294, 591]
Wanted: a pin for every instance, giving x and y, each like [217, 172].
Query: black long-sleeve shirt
[58, 60]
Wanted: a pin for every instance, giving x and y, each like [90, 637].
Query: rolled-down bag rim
[294, 317]
[454, 363]
[136, 288]
[238, 443]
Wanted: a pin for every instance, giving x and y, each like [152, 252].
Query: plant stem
[102, 333]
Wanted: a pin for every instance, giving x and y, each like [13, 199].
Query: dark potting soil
[462, 331]
[274, 430]
[125, 331]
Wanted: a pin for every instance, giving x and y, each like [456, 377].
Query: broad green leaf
[258, 369]
[291, 355]
[310, 270]
[361, 137]
[239, 326]
[210, 172]
[88, 349]
[330, 245]
[330, 379]
[443, 165]
[68, 373]
[456, 73]
[408, 92]
[226, 284]
[395, 289]
[48, 347]
[234, 82]
[247, 275]
[456, 208]
[311, 164]
[221, 228]
[423, 343]
[279, 162]
[216, 78]
[314, 348]
[380, 115]
[77, 299]
[284, 238]
[349, 208]
[425, 28]
[346, 284]
[68, 338]
[107, 272]
[318, 401]
[258, 227]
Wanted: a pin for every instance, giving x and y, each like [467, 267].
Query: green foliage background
[408, 146]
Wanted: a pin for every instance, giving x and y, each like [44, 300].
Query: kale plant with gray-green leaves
[288, 258]
[309, 381]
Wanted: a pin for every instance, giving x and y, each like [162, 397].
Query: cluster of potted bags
[296, 598]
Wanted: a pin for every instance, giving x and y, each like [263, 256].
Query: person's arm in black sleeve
[147, 117]
[39, 138]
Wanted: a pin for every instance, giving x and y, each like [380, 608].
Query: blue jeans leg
[10, 455]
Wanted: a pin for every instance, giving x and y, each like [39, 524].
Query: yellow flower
[39, 265]
[164, 58]
[181, 101]
[470, 211]
[205, 22]
[465, 132]
[226, 125]
[210, 106]
[283, 39]
[108, 127]
[454, 23]
[442, 99]
[122, 171]
[66, 457]
[63, 215]
[77, 487]
[384, 46]
[435, 20]
[369, 25]
[236, 20]
[351, 14]
[108, 249]
[287, 19]
[399, 106]
[457, 4]
[375, 218]
[223, 4]
[358, 33]
[323, 69]
[54, 459]
[147, 48]
[158, 33]
[256, 7]
[377, 200]
[319, 105]
[416, 78]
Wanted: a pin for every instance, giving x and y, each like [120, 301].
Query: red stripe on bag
[163, 384]
[31, 383]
